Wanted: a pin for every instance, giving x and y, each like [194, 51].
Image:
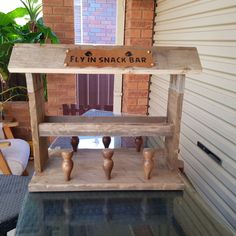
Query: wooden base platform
[88, 175]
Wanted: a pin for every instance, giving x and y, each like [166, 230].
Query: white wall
[7, 6]
[209, 109]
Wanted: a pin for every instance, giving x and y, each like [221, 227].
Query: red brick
[147, 4]
[132, 85]
[69, 19]
[69, 100]
[132, 101]
[138, 78]
[63, 27]
[133, 33]
[133, 4]
[134, 14]
[67, 41]
[69, 34]
[67, 87]
[63, 10]
[52, 111]
[137, 109]
[52, 99]
[146, 34]
[138, 42]
[20, 111]
[136, 93]
[51, 94]
[69, 3]
[53, 19]
[53, 2]
[143, 85]
[147, 14]
[142, 101]
[51, 25]
[60, 34]
[139, 24]
[47, 10]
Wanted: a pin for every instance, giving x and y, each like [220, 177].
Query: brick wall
[20, 112]
[61, 89]
[59, 15]
[99, 21]
[139, 17]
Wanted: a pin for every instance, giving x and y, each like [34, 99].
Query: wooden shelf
[33, 59]
[88, 174]
[111, 126]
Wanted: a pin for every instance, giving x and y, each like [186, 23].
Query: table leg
[138, 142]
[106, 141]
[74, 143]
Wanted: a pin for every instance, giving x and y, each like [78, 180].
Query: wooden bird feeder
[33, 59]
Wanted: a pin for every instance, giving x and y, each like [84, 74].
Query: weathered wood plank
[106, 129]
[32, 58]
[10, 123]
[4, 168]
[87, 174]
[37, 112]
[174, 113]
[106, 119]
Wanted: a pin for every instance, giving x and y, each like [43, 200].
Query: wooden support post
[67, 164]
[174, 112]
[148, 164]
[107, 162]
[37, 113]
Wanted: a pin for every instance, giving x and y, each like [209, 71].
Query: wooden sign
[117, 57]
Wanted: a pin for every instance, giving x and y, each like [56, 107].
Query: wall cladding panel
[209, 109]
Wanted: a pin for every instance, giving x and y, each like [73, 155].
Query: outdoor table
[12, 191]
[112, 213]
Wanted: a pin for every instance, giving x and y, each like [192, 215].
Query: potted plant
[34, 31]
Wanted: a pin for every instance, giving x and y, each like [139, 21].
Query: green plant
[10, 94]
[9, 34]
[38, 32]
[34, 31]
[34, 9]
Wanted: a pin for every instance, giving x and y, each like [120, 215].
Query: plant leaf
[17, 13]
[5, 19]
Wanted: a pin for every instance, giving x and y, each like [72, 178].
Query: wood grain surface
[88, 174]
[48, 58]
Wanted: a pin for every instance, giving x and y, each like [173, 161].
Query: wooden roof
[48, 58]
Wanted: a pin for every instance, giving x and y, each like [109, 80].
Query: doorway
[99, 23]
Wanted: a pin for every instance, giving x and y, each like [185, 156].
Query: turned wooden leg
[138, 142]
[67, 164]
[74, 143]
[107, 162]
[106, 141]
[148, 154]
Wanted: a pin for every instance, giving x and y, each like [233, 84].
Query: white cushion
[16, 155]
